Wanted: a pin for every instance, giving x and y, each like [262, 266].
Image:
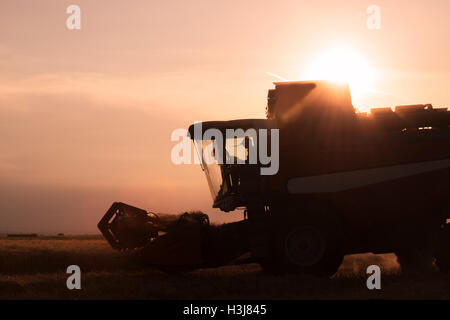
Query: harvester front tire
[310, 245]
[442, 254]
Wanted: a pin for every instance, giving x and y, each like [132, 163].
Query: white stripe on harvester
[341, 181]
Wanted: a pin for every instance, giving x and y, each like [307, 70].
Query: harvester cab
[237, 166]
[230, 158]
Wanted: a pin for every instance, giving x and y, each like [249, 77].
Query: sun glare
[344, 65]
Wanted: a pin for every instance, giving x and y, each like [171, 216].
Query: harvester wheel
[412, 261]
[309, 246]
[442, 254]
[416, 256]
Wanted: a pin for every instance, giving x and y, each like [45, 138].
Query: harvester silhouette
[347, 183]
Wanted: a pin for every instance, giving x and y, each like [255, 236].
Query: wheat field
[36, 269]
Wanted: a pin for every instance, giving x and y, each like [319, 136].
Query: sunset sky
[86, 115]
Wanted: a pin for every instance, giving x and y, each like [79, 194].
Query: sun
[343, 65]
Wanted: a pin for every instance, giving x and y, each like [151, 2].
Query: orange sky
[86, 115]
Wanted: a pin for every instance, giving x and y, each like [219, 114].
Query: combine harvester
[347, 183]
